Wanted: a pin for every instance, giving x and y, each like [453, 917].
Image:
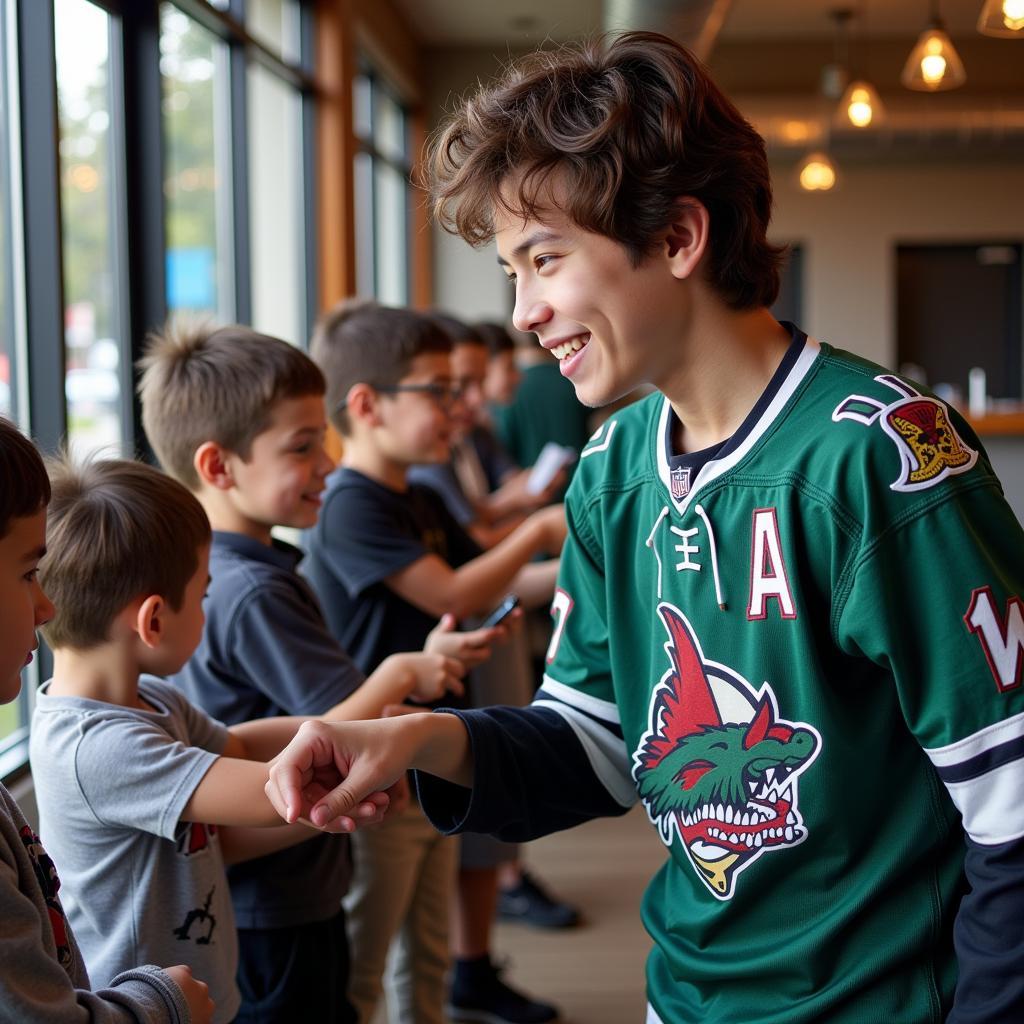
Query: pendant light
[860, 104]
[1002, 18]
[933, 64]
[817, 173]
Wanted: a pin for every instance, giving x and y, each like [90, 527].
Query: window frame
[140, 235]
[379, 84]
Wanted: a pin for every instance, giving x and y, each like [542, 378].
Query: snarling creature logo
[717, 766]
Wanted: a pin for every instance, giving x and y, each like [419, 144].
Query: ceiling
[769, 56]
[524, 22]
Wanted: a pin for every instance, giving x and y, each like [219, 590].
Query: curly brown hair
[631, 126]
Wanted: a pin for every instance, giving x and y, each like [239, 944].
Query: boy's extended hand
[471, 647]
[196, 993]
[433, 675]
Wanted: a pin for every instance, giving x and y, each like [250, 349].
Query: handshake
[340, 776]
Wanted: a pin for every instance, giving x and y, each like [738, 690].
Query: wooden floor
[595, 973]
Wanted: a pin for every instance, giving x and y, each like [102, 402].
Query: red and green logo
[718, 767]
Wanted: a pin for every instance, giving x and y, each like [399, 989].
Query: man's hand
[331, 775]
[471, 647]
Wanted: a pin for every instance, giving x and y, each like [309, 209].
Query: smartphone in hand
[502, 612]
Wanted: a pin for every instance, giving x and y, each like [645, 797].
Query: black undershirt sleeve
[531, 777]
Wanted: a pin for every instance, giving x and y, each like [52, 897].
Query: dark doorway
[959, 306]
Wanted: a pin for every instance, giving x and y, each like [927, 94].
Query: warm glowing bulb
[817, 176]
[933, 68]
[859, 110]
[1013, 14]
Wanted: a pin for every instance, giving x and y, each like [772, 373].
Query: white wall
[850, 237]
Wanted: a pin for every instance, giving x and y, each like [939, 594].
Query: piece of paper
[552, 458]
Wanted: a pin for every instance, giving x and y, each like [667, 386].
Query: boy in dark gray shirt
[257, 461]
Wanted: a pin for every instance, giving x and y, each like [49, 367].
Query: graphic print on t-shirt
[717, 765]
[192, 837]
[202, 915]
[49, 882]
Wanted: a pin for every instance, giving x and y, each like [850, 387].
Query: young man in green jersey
[789, 613]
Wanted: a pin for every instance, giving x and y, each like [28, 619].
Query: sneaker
[482, 997]
[528, 903]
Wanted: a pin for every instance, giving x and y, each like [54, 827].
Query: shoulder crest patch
[920, 426]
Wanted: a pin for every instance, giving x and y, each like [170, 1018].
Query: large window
[91, 197]
[9, 404]
[383, 207]
[13, 717]
[194, 76]
[179, 180]
[276, 207]
[277, 24]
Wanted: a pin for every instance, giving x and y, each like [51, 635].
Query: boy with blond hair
[42, 971]
[789, 617]
[387, 558]
[135, 786]
[238, 418]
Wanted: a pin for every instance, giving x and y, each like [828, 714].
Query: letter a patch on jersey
[768, 576]
[718, 767]
[1001, 637]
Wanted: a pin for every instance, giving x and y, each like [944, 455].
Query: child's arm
[239, 843]
[232, 790]
[432, 584]
[421, 676]
[34, 985]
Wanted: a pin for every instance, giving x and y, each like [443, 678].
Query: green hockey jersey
[804, 654]
[812, 652]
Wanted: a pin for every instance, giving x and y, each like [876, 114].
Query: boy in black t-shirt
[387, 559]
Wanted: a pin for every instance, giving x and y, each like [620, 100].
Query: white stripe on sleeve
[605, 751]
[603, 709]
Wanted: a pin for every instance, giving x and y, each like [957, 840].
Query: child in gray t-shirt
[142, 882]
[140, 794]
[42, 971]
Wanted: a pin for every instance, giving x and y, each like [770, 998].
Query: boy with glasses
[387, 559]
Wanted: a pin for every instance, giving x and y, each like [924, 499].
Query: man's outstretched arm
[518, 773]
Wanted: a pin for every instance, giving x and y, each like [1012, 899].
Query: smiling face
[281, 481]
[612, 325]
[23, 605]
